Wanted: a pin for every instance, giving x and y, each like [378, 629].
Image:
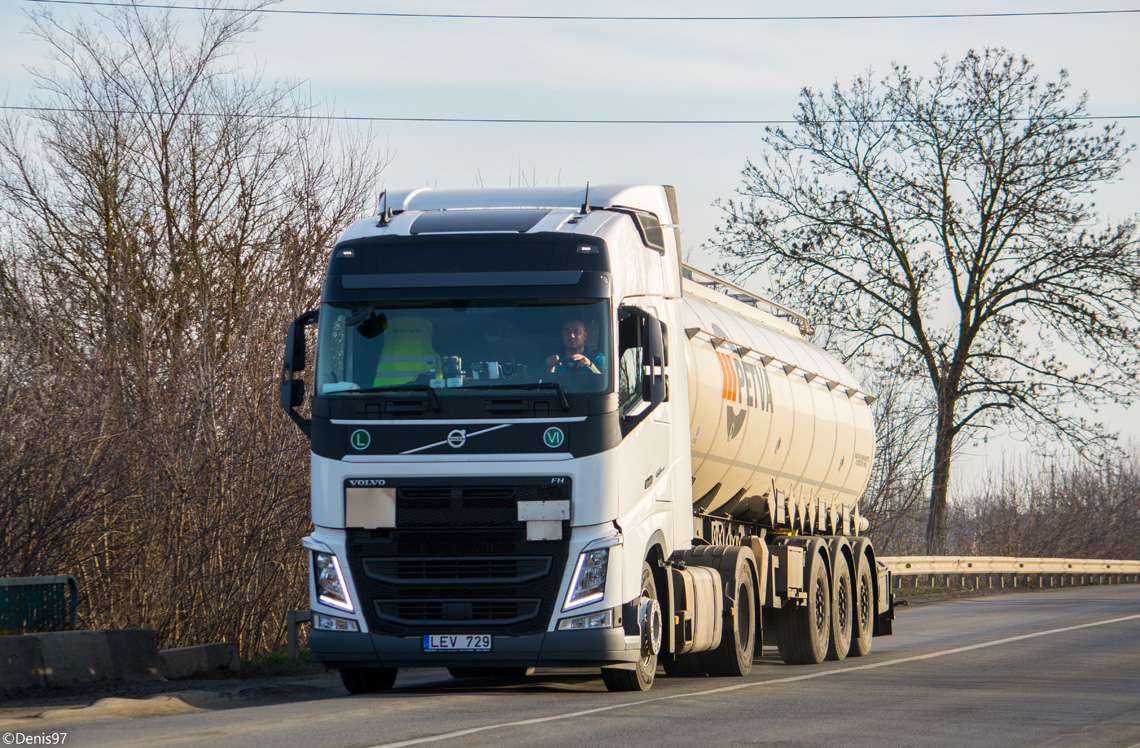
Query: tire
[367, 679]
[639, 677]
[738, 641]
[842, 611]
[863, 618]
[805, 630]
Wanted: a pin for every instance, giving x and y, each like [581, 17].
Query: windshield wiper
[433, 398]
[527, 386]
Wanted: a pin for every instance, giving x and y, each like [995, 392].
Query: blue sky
[477, 68]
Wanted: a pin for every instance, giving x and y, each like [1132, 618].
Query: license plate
[457, 642]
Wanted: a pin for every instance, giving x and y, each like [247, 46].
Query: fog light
[322, 622]
[331, 589]
[603, 620]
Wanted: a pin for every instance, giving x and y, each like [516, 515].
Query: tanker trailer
[538, 439]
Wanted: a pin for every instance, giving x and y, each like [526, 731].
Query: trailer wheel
[738, 641]
[640, 677]
[805, 630]
[367, 679]
[841, 612]
[864, 613]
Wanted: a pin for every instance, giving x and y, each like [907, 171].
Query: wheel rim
[820, 608]
[842, 607]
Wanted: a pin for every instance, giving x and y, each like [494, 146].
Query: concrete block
[21, 663]
[75, 657]
[222, 656]
[182, 662]
[135, 654]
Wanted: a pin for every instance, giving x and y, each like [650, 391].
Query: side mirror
[655, 362]
[295, 342]
[293, 389]
[296, 392]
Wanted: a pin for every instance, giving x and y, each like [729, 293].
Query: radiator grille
[468, 569]
[459, 561]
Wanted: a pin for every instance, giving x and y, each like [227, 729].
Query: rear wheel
[805, 630]
[738, 641]
[367, 679]
[841, 612]
[640, 676]
[863, 618]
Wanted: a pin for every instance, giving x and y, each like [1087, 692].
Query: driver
[575, 355]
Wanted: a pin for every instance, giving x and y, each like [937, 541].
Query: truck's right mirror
[641, 379]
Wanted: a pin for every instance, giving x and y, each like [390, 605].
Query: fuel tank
[781, 432]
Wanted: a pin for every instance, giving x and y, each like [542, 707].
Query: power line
[480, 120]
[512, 17]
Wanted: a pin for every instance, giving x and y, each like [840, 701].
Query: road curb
[183, 662]
[62, 659]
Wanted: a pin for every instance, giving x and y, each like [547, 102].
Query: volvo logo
[457, 438]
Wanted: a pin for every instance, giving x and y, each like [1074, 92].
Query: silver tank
[781, 432]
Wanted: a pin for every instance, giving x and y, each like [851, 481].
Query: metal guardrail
[1048, 571]
[904, 565]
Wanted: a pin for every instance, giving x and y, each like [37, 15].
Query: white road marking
[741, 686]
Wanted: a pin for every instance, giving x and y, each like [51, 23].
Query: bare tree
[166, 217]
[944, 223]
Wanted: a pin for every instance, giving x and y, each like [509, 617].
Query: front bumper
[550, 649]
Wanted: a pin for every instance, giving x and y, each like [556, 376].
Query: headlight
[589, 582]
[331, 589]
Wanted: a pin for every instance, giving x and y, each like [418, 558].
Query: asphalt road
[1057, 668]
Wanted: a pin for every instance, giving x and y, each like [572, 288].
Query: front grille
[467, 506]
[467, 570]
[458, 560]
[473, 613]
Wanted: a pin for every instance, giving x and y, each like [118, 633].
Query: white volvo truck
[539, 439]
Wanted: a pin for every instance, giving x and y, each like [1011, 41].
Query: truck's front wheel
[640, 677]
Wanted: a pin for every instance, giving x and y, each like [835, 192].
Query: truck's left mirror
[295, 342]
[296, 393]
[293, 389]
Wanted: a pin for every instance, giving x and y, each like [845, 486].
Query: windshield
[461, 344]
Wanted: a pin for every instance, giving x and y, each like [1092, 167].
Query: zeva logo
[360, 439]
[553, 437]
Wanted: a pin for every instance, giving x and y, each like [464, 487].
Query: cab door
[644, 413]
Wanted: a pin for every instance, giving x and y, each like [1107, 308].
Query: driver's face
[574, 335]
